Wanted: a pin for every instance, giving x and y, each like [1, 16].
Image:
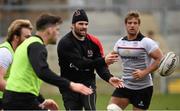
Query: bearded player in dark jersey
[80, 54]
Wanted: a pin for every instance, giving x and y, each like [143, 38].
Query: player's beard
[79, 34]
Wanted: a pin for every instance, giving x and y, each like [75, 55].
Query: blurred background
[160, 21]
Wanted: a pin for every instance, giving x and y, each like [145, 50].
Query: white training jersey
[6, 58]
[134, 55]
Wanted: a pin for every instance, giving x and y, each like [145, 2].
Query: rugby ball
[168, 64]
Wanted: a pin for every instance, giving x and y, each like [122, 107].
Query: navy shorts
[138, 98]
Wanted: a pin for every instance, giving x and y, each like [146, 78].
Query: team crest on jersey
[89, 53]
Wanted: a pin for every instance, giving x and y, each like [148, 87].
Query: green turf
[165, 102]
[159, 102]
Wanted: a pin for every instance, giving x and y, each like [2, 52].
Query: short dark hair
[132, 14]
[46, 20]
[16, 27]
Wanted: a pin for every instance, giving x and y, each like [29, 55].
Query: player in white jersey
[136, 52]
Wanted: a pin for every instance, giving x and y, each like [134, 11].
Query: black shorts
[20, 101]
[77, 101]
[138, 98]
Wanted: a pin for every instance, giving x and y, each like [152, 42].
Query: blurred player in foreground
[30, 67]
[18, 31]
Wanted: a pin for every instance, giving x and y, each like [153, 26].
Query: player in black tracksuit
[78, 59]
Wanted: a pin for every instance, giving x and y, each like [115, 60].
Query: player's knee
[113, 107]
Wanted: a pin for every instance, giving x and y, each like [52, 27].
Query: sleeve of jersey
[5, 58]
[150, 45]
[102, 71]
[37, 54]
[115, 48]
[97, 42]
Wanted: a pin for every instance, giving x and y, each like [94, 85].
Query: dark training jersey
[79, 59]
